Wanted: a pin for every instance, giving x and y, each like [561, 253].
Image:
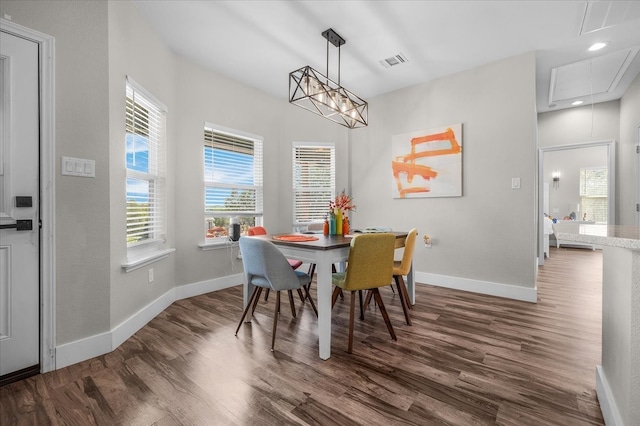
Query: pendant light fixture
[313, 91]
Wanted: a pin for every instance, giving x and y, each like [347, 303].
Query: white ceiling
[260, 42]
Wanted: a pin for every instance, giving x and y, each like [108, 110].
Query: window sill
[147, 259]
[214, 245]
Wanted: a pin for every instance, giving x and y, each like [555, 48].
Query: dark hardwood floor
[467, 359]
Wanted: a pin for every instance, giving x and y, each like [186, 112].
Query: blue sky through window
[227, 167]
[138, 160]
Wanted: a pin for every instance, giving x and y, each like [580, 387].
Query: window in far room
[145, 169]
[233, 181]
[593, 194]
[314, 181]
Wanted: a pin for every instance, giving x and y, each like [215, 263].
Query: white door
[19, 201]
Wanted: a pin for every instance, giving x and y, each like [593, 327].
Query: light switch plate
[78, 167]
[515, 183]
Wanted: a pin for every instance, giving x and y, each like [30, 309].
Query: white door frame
[47, 189]
[638, 175]
[611, 183]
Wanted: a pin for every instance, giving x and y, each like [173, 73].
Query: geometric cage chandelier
[313, 91]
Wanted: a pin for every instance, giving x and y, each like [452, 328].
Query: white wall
[82, 131]
[155, 71]
[488, 234]
[628, 181]
[579, 124]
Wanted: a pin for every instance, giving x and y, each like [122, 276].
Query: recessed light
[575, 103]
[597, 46]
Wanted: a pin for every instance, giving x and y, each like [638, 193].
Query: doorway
[42, 202]
[543, 176]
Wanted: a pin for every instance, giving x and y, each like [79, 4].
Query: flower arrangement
[342, 203]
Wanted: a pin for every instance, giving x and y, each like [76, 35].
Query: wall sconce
[556, 179]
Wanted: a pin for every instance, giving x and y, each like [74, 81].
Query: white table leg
[324, 304]
[411, 285]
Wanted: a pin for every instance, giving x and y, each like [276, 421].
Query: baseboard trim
[202, 287]
[608, 405]
[525, 294]
[103, 343]
[80, 350]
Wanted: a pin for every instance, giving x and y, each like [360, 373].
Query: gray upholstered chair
[266, 267]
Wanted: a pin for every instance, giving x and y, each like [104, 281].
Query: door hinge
[638, 207]
[637, 149]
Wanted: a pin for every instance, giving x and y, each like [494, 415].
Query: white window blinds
[145, 162]
[232, 174]
[314, 181]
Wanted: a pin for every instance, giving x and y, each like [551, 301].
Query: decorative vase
[332, 224]
[338, 222]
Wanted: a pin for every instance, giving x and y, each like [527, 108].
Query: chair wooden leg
[255, 301]
[246, 309]
[403, 301]
[312, 270]
[292, 303]
[334, 296]
[367, 300]
[351, 319]
[308, 289]
[300, 295]
[266, 295]
[361, 306]
[383, 311]
[313, 305]
[275, 320]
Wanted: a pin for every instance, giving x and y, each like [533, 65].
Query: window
[145, 160]
[232, 181]
[593, 194]
[314, 181]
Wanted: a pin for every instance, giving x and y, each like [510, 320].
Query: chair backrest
[265, 266]
[315, 226]
[256, 230]
[407, 255]
[370, 261]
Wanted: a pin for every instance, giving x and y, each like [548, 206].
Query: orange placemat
[296, 238]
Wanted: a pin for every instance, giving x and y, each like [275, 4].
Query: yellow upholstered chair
[401, 268]
[370, 267]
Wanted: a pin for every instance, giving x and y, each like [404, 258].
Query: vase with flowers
[339, 207]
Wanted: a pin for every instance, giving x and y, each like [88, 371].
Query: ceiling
[260, 42]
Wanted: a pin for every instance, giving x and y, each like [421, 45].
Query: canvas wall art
[427, 163]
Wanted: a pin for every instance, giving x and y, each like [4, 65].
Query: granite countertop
[604, 235]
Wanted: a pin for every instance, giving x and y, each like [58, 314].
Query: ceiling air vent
[394, 60]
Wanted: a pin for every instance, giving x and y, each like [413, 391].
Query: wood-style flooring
[468, 359]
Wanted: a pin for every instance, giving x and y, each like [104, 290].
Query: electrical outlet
[151, 275]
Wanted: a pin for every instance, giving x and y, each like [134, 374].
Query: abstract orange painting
[428, 163]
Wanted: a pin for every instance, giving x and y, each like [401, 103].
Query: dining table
[324, 251]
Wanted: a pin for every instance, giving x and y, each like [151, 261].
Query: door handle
[20, 225]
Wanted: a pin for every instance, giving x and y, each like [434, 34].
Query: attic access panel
[592, 76]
